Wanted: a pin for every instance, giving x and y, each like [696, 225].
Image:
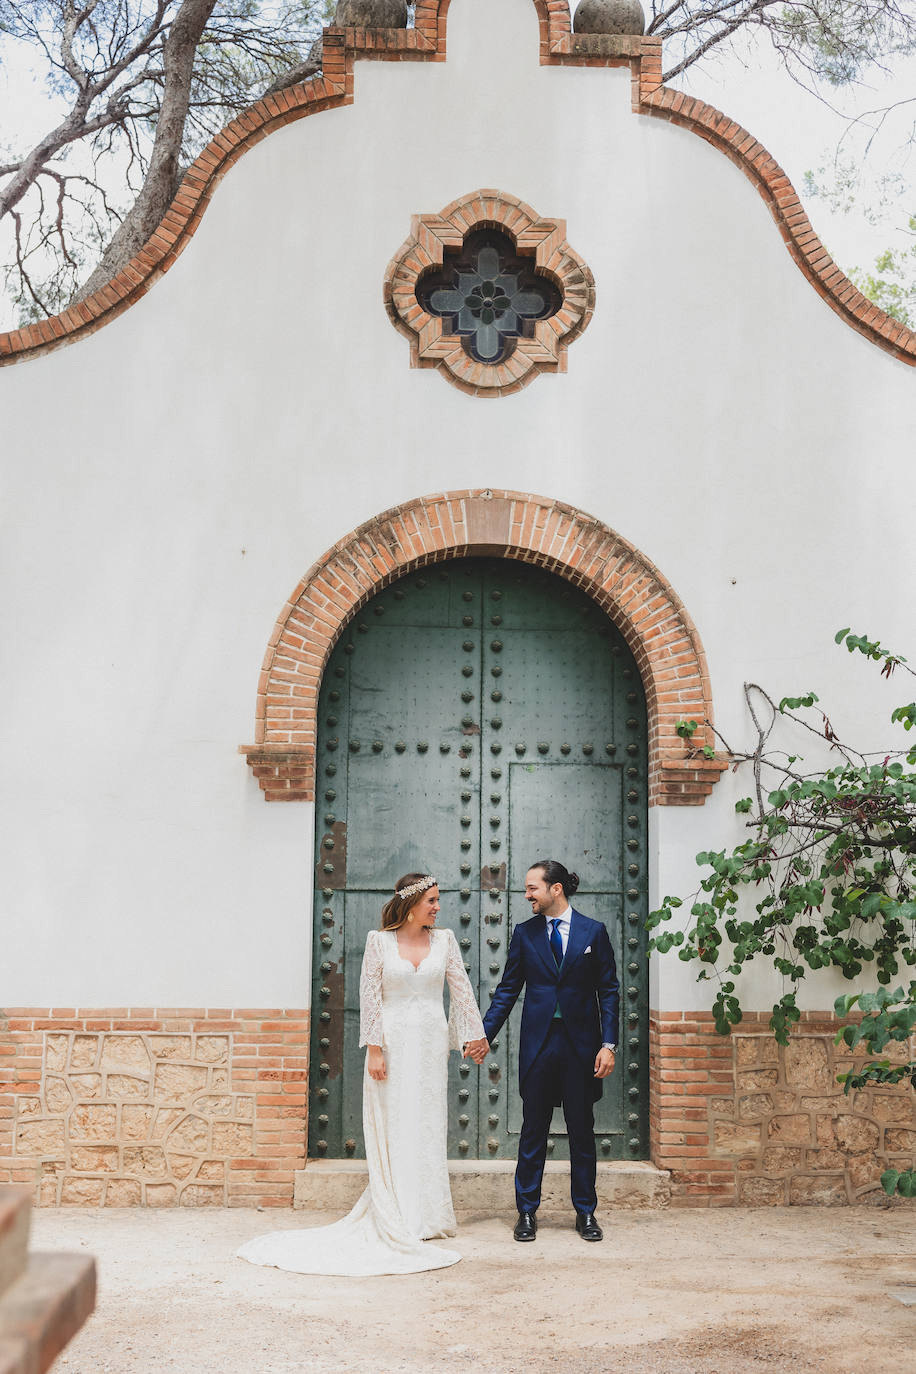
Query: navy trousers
[557, 1076]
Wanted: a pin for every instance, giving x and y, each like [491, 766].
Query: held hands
[376, 1064]
[604, 1063]
[476, 1050]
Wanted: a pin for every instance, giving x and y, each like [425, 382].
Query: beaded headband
[420, 886]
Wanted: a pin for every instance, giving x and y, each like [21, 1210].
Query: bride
[402, 1022]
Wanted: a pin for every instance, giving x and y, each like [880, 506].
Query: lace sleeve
[370, 992]
[464, 1021]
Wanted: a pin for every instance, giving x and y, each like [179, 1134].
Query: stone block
[45, 1309]
[755, 1106]
[85, 1052]
[486, 1186]
[124, 1053]
[212, 1169]
[219, 1080]
[212, 1049]
[745, 1049]
[830, 1103]
[181, 1165]
[57, 1047]
[855, 1135]
[794, 1129]
[161, 1195]
[762, 1192]
[57, 1095]
[864, 1171]
[46, 1193]
[166, 1117]
[899, 1140]
[93, 1121]
[736, 1138]
[171, 1046]
[893, 1106]
[233, 1138]
[833, 1160]
[81, 1192]
[722, 1106]
[817, 1190]
[807, 1064]
[86, 1084]
[757, 1080]
[40, 1137]
[27, 1108]
[175, 1082]
[202, 1195]
[214, 1104]
[136, 1122]
[146, 1160]
[781, 1159]
[14, 1234]
[122, 1192]
[94, 1159]
[191, 1135]
[244, 1106]
[127, 1085]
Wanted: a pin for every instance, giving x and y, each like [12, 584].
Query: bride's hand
[476, 1050]
[376, 1064]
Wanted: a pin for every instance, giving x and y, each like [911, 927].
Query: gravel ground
[684, 1292]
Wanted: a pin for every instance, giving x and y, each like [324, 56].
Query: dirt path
[719, 1292]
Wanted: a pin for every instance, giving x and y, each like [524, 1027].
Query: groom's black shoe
[526, 1228]
[588, 1227]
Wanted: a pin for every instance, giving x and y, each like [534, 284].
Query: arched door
[475, 716]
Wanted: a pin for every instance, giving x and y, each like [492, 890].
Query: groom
[565, 963]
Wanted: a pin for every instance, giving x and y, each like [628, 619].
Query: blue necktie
[556, 941]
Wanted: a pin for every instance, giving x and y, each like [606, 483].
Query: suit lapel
[578, 939]
[541, 945]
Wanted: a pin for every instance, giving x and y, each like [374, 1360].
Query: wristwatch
[612, 1048]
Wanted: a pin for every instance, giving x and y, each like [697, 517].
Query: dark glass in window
[488, 294]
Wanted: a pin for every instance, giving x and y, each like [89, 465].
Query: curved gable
[558, 46]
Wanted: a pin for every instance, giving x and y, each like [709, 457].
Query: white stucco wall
[168, 481]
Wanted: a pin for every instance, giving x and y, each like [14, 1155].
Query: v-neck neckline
[403, 957]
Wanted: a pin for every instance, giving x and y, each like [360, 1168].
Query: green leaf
[889, 1181]
[906, 1183]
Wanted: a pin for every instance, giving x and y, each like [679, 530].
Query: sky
[801, 131]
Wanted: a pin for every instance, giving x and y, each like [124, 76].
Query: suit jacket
[585, 986]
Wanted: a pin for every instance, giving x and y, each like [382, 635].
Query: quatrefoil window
[489, 292]
[488, 295]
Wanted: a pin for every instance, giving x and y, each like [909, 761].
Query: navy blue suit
[556, 1061]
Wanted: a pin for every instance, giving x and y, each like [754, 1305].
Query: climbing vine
[825, 877]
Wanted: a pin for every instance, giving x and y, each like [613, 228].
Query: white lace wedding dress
[408, 1199]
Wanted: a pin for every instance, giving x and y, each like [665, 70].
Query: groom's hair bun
[555, 872]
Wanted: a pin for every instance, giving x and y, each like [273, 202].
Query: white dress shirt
[563, 926]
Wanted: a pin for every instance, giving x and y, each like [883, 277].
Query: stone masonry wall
[153, 1107]
[739, 1119]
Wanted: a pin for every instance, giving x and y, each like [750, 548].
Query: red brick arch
[637, 598]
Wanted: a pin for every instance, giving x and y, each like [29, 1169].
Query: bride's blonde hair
[396, 911]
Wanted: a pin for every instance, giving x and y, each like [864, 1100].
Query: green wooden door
[473, 718]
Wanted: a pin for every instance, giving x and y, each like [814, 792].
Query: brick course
[427, 42]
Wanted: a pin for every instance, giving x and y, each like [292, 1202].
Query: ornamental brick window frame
[635, 595]
[544, 239]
